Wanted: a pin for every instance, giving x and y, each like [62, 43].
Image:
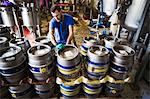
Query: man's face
[56, 15]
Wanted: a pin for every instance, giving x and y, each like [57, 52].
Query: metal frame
[145, 59]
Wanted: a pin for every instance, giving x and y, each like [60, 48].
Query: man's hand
[60, 46]
[71, 34]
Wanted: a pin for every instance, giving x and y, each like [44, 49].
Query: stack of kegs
[3, 43]
[69, 91]
[21, 91]
[113, 89]
[98, 62]
[87, 42]
[92, 90]
[13, 64]
[21, 42]
[122, 59]
[41, 66]
[68, 63]
[110, 42]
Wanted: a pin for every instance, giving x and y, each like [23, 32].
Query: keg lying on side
[122, 59]
[92, 90]
[69, 91]
[98, 61]
[21, 91]
[21, 42]
[109, 42]
[3, 43]
[112, 89]
[87, 42]
[13, 64]
[45, 90]
[44, 40]
[40, 61]
[68, 61]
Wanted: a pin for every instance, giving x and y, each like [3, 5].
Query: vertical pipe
[16, 22]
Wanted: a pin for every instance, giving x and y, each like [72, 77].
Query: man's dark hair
[54, 8]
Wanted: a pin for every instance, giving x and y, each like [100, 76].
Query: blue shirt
[61, 28]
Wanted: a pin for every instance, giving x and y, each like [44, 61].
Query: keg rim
[25, 86]
[14, 42]
[3, 39]
[97, 46]
[128, 49]
[35, 46]
[86, 39]
[38, 39]
[110, 39]
[75, 54]
[17, 48]
[10, 67]
[121, 65]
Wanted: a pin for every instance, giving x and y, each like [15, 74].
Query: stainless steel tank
[109, 6]
[27, 16]
[7, 16]
[135, 13]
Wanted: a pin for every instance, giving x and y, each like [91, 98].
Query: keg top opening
[68, 53]
[39, 50]
[90, 39]
[42, 39]
[98, 50]
[123, 50]
[110, 38]
[18, 41]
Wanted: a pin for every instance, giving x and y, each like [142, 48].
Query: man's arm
[52, 37]
[71, 34]
[51, 32]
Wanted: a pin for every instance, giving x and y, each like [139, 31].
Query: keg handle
[10, 58]
[103, 49]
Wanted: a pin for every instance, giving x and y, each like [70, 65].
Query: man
[60, 27]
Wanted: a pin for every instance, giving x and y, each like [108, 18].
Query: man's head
[55, 11]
